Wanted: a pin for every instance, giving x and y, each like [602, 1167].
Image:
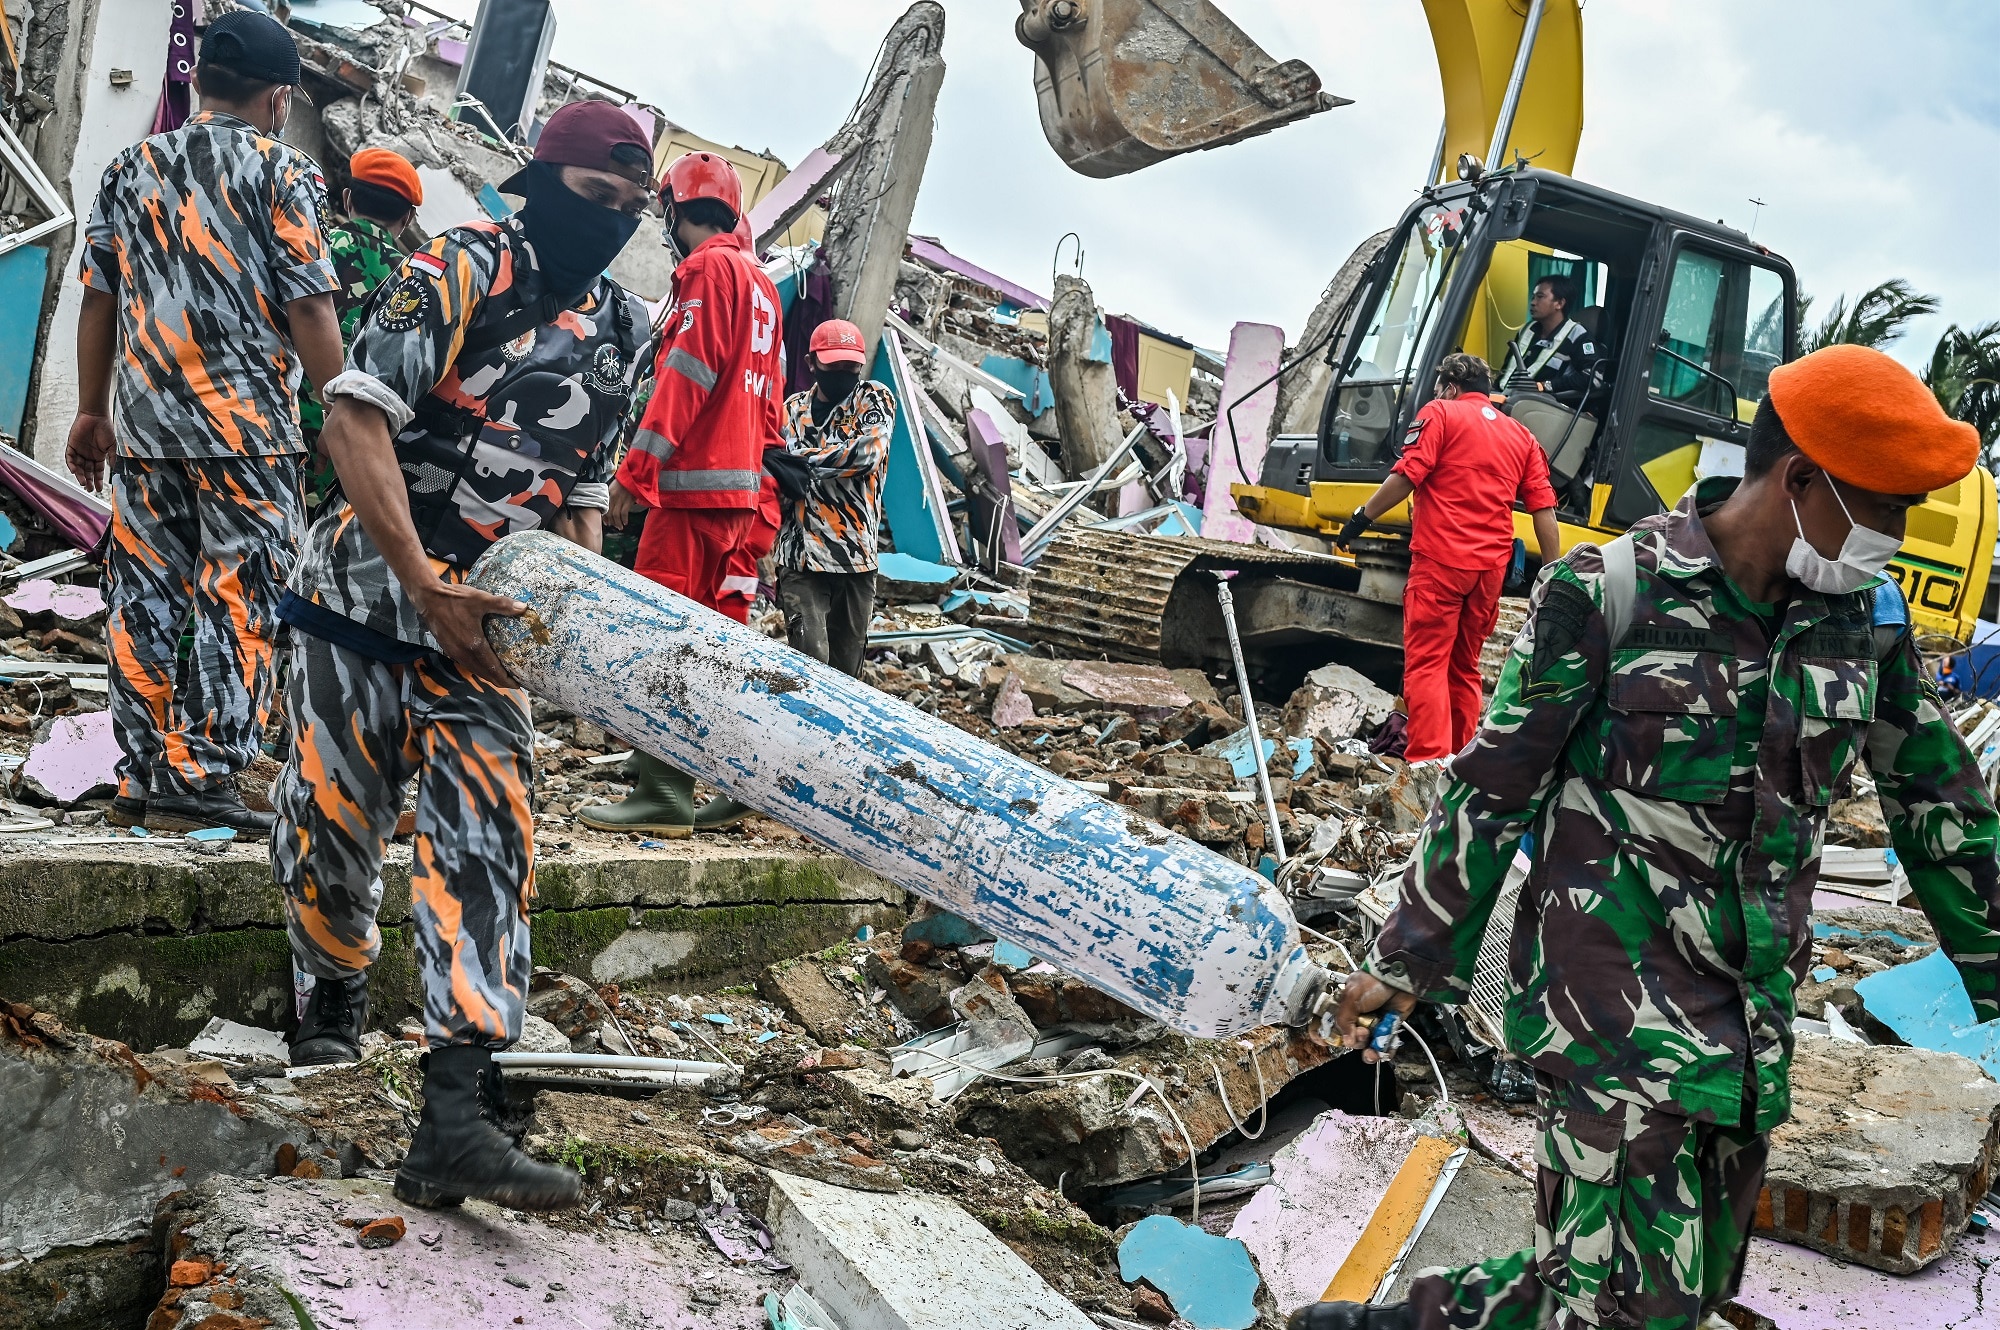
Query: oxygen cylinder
[1175, 931]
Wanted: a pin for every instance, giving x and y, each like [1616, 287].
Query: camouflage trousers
[1642, 1221]
[361, 729]
[201, 545]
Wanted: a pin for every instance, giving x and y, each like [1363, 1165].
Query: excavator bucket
[1126, 83]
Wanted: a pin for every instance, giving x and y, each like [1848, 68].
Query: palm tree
[1878, 317]
[1964, 372]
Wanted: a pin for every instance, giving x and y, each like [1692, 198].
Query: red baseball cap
[837, 342]
[583, 134]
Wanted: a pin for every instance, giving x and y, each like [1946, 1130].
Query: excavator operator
[1554, 354]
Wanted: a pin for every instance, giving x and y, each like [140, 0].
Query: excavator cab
[1686, 320]
[1123, 84]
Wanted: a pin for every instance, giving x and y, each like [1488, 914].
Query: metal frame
[22, 163]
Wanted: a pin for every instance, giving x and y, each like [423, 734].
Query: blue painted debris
[1209, 1280]
[1235, 750]
[1926, 1004]
[213, 834]
[864, 933]
[1823, 973]
[1010, 957]
[766, 1037]
[137, 831]
[943, 929]
[718, 1018]
[907, 568]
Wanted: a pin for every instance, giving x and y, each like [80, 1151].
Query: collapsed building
[764, 1057]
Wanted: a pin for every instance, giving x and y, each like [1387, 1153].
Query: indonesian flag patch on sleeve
[428, 263]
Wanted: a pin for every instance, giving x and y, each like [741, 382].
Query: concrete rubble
[914, 1123]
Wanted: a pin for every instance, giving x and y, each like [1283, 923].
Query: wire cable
[1263, 1097]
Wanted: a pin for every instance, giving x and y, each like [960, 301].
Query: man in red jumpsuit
[698, 458]
[1468, 465]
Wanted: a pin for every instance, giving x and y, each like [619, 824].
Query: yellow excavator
[1689, 317]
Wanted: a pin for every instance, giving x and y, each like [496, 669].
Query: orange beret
[388, 170]
[1869, 421]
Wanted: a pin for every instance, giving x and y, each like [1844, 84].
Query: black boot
[1350, 1316]
[220, 807]
[330, 1031]
[459, 1153]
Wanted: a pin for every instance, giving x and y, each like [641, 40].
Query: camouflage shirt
[492, 438]
[1678, 789]
[204, 234]
[837, 529]
[365, 255]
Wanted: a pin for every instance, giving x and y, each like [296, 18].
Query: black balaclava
[574, 239]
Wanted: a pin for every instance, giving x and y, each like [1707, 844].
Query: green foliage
[1964, 372]
[1878, 317]
[298, 1309]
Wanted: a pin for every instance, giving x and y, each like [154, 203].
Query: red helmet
[837, 341]
[703, 175]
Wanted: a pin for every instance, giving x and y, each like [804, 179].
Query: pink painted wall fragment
[1255, 350]
[80, 755]
[42, 596]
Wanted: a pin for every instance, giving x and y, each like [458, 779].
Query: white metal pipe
[1250, 714]
[1503, 128]
[1175, 931]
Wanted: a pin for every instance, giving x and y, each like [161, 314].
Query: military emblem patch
[406, 305]
[607, 370]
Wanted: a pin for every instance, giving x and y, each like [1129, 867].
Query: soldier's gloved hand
[1362, 1001]
[1356, 524]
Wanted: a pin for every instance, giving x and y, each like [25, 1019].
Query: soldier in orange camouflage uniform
[206, 259]
[826, 549]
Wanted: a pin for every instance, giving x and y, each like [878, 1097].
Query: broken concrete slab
[1791, 1288]
[110, 1285]
[145, 939]
[1886, 1153]
[96, 1136]
[1336, 1172]
[908, 1262]
[1338, 702]
[1099, 1136]
[1489, 1211]
[77, 759]
[238, 1243]
[1146, 691]
[832, 1015]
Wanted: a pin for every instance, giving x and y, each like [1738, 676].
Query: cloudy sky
[1871, 132]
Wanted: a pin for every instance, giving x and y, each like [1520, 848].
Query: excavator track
[1151, 599]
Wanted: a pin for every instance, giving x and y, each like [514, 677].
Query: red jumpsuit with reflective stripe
[698, 455]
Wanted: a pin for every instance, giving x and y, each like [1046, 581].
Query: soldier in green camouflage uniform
[381, 198]
[1677, 783]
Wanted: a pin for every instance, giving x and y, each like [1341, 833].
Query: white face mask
[1863, 555]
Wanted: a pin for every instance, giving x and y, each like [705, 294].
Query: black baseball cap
[254, 45]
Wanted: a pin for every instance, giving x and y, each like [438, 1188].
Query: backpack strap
[1621, 586]
[1892, 619]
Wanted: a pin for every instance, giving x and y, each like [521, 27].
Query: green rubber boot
[661, 803]
[720, 814]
